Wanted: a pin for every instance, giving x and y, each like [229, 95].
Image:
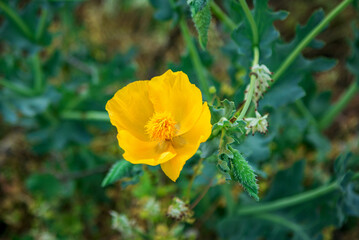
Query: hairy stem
[251, 87]
[200, 70]
[288, 201]
[336, 109]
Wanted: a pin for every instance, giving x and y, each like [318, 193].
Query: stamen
[161, 127]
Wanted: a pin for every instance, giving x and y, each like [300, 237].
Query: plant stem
[288, 201]
[336, 109]
[251, 21]
[288, 61]
[15, 88]
[38, 82]
[198, 166]
[251, 87]
[193, 205]
[285, 223]
[89, 115]
[41, 25]
[217, 11]
[16, 19]
[309, 38]
[230, 205]
[305, 112]
[200, 70]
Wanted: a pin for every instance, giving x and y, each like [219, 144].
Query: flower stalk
[217, 11]
[288, 201]
[288, 61]
[251, 86]
[200, 70]
[337, 108]
[251, 21]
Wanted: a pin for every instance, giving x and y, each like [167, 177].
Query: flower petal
[130, 109]
[187, 144]
[142, 152]
[173, 93]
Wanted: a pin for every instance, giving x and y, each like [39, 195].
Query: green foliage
[46, 185]
[243, 173]
[62, 60]
[119, 170]
[201, 15]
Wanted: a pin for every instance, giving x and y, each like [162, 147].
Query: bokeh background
[56, 146]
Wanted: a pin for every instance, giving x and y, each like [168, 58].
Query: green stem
[251, 87]
[305, 112]
[230, 205]
[16, 19]
[278, 220]
[196, 172]
[38, 76]
[310, 37]
[217, 11]
[200, 70]
[89, 115]
[15, 88]
[336, 109]
[289, 201]
[41, 26]
[251, 21]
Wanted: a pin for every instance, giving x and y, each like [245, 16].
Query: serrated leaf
[243, 173]
[201, 16]
[117, 171]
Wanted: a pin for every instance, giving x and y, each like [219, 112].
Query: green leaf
[243, 173]
[201, 16]
[226, 111]
[163, 10]
[117, 171]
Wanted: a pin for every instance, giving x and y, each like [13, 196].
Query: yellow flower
[161, 121]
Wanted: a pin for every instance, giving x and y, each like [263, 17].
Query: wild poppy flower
[160, 121]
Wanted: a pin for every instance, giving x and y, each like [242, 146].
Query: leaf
[287, 182]
[201, 16]
[226, 111]
[117, 171]
[242, 172]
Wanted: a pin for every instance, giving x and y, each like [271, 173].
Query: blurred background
[60, 61]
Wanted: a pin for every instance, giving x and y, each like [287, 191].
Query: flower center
[161, 127]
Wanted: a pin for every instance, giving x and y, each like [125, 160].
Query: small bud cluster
[262, 75]
[179, 210]
[257, 124]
